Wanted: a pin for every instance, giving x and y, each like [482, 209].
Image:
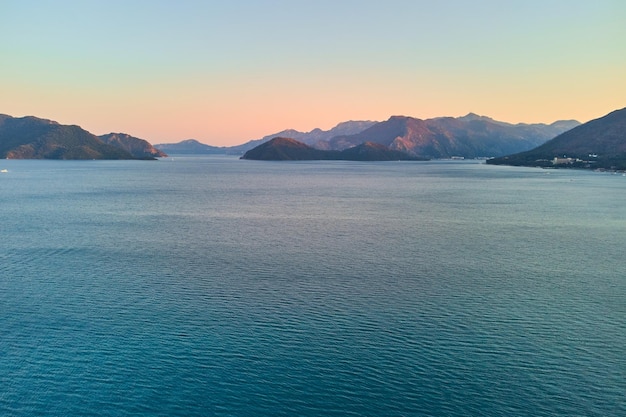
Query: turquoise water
[199, 286]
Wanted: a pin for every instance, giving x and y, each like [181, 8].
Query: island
[287, 149]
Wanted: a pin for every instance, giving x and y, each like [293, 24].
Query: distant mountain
[470, 136]
[599, 143]
[33, 138]
[138, 148]
[316, 138]
[370, 151]
[190, 146]
[287, 149]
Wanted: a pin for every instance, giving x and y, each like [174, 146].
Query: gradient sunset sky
[224, 72]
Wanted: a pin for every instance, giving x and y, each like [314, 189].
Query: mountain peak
[350, 124]
[400, 117]
[190, 142]
[283, 149]
[188, 146]
[469, 117]
[283, 141]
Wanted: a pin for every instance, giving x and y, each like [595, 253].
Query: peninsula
[34, 138]
[597, 144]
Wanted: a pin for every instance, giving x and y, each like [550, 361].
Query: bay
[216, 286]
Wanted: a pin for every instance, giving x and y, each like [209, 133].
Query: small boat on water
[4, 170]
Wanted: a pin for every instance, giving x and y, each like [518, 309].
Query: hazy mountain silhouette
[190, 146]
[316, 137]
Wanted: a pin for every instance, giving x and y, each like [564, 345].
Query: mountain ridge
[599, 143]
[311, 138]
[190, 146]
[31, 137]
[469, 136]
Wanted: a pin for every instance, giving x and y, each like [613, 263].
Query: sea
[213, 286]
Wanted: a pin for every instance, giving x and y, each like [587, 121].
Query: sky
[228, 71]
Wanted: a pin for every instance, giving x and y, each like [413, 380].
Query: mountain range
[287, 149]
[315, 138]
[312, 138]
[469, 136]
[599, 143]
[34, 138]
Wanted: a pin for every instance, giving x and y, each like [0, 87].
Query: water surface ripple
[200, 286]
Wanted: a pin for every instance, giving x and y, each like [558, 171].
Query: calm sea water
[199, 286]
